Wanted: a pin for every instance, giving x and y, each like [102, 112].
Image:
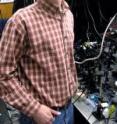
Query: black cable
[89, 116]
[100, 12]
[91, 113]
[85, 12]
[106, 120]
[93, 21]
[78, 97]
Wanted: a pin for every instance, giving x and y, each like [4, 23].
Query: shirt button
[65, 37]
[66, 54]
[68, 68]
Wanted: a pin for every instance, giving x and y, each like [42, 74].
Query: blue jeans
[66, 117]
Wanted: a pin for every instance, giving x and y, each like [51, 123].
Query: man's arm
[11, 48]
[11, 89]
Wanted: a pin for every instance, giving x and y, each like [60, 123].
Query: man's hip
[66, 116]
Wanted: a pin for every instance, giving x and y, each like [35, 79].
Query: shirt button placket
[66, 53]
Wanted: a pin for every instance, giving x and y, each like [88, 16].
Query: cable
[92, 20]
[103, 39]
[89, 116]
[78, 97]
[101, 12]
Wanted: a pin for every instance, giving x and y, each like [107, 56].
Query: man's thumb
[55, 113]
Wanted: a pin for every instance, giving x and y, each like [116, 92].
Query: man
[37, 70]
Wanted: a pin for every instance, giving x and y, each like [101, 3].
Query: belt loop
[64, 107]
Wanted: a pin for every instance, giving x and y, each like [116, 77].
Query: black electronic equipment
[96, 62]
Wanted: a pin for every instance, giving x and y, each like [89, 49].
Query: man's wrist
[33, 108]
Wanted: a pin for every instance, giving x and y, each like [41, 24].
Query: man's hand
[45, 115]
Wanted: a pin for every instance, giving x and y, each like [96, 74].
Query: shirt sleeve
[11, 48]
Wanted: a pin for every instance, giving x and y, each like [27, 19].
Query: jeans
[66, 116]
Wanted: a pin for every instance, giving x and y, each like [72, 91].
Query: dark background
[101, 10]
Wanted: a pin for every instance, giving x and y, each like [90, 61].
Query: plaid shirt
[36, 57]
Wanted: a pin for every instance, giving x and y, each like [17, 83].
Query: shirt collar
[53, 9]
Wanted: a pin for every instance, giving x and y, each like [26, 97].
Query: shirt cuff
[32, 108]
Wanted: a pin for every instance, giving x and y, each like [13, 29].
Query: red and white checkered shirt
[36, 57]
